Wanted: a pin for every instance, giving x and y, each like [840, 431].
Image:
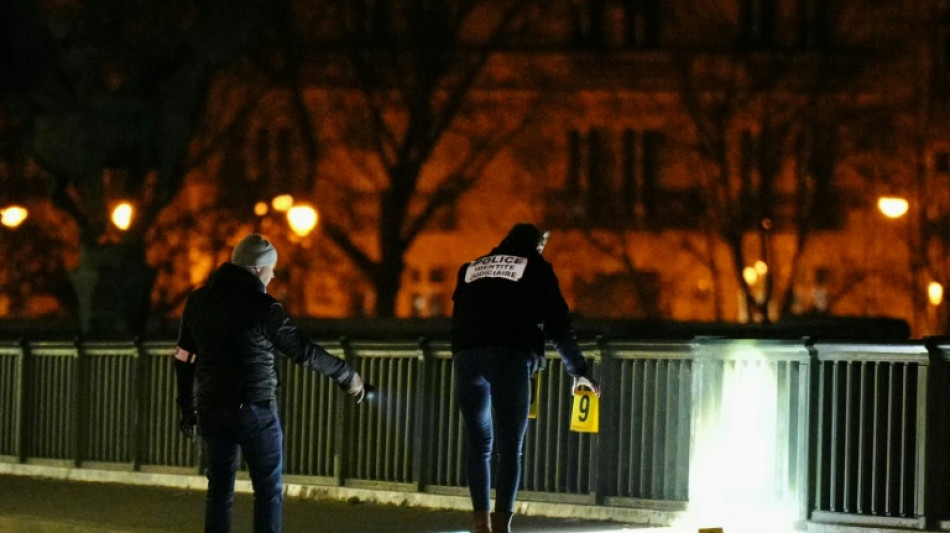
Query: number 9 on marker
[584, 414]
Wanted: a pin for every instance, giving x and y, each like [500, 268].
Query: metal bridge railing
[870, 437]
[863, 427]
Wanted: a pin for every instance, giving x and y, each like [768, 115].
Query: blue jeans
[255, 430]
[499, 380]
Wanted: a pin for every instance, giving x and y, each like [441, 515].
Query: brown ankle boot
[501, 522]
[481, 522]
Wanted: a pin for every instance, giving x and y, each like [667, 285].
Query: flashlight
[369, 393]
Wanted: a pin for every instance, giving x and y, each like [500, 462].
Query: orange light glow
[282, 202]
[892, 206]
[122, 215]
[302, 219]
[13, 216]
[935, 293]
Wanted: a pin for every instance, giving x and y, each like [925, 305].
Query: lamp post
[894, 208]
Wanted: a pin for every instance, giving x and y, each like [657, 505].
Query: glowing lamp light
[261, 209]
[122, 216]
[761, 268]
[935, 293]
[892, 206]
[750, 274]
[13, 216]
[302, 219]
[282, 202]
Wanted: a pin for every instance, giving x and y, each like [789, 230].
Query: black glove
[353, 385]
[536, 363]
[187, 424]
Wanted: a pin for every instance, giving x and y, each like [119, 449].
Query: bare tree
[416, 67]
[112, 114]
[761, 110]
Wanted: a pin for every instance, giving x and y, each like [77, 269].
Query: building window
[616, 23]
[942, 162]
[941, 58]
[814, 26]
[587, 20]
[641, 23]
[615, 180]
[757, 23]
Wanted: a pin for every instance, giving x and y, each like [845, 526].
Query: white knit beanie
[254, 251]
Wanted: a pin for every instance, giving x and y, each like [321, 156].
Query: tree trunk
[113, 286]
[387, 283]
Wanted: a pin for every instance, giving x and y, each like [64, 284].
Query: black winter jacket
[233, 328]
[511, 298]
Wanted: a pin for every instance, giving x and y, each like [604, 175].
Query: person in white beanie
[230, 331]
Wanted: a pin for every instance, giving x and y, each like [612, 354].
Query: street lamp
[302, 219]
[122, 215]
[935, 293]
[282, 202]
[13, 216]
[892, 206]
[750, 274]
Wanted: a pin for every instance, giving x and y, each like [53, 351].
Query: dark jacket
[511, 298]
[234, 328]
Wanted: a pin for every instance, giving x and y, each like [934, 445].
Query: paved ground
[44, 505]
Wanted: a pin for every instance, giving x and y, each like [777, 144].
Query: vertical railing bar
[80, 406]
[384, 438]
[668, 418]
[441, 428]
[380, 435]
[342, 450]
[655, 419]
[95, 436]
[318, 448]
[862, 400]
[137, 394]
[644, 420]
[905, 371]
[408, 430]
[25, 397]
[399, 431]
[684, 408]
[110, 405]
[635, 467]
[49, 387]
[788, 476]
[558, 434]
[921, 463]
[832, 472]
[847, 485]
[875, 441]
[616, 478]
[421, 467]
[889, 433]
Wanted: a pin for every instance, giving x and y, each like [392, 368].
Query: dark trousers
[493, 387]
[255, 430]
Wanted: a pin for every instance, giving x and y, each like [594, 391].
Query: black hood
[521, 239]
[229, 276]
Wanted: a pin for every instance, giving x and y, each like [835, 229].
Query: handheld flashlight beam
[369, 393]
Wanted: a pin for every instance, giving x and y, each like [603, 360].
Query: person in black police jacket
[506, 304]
[227, 382]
